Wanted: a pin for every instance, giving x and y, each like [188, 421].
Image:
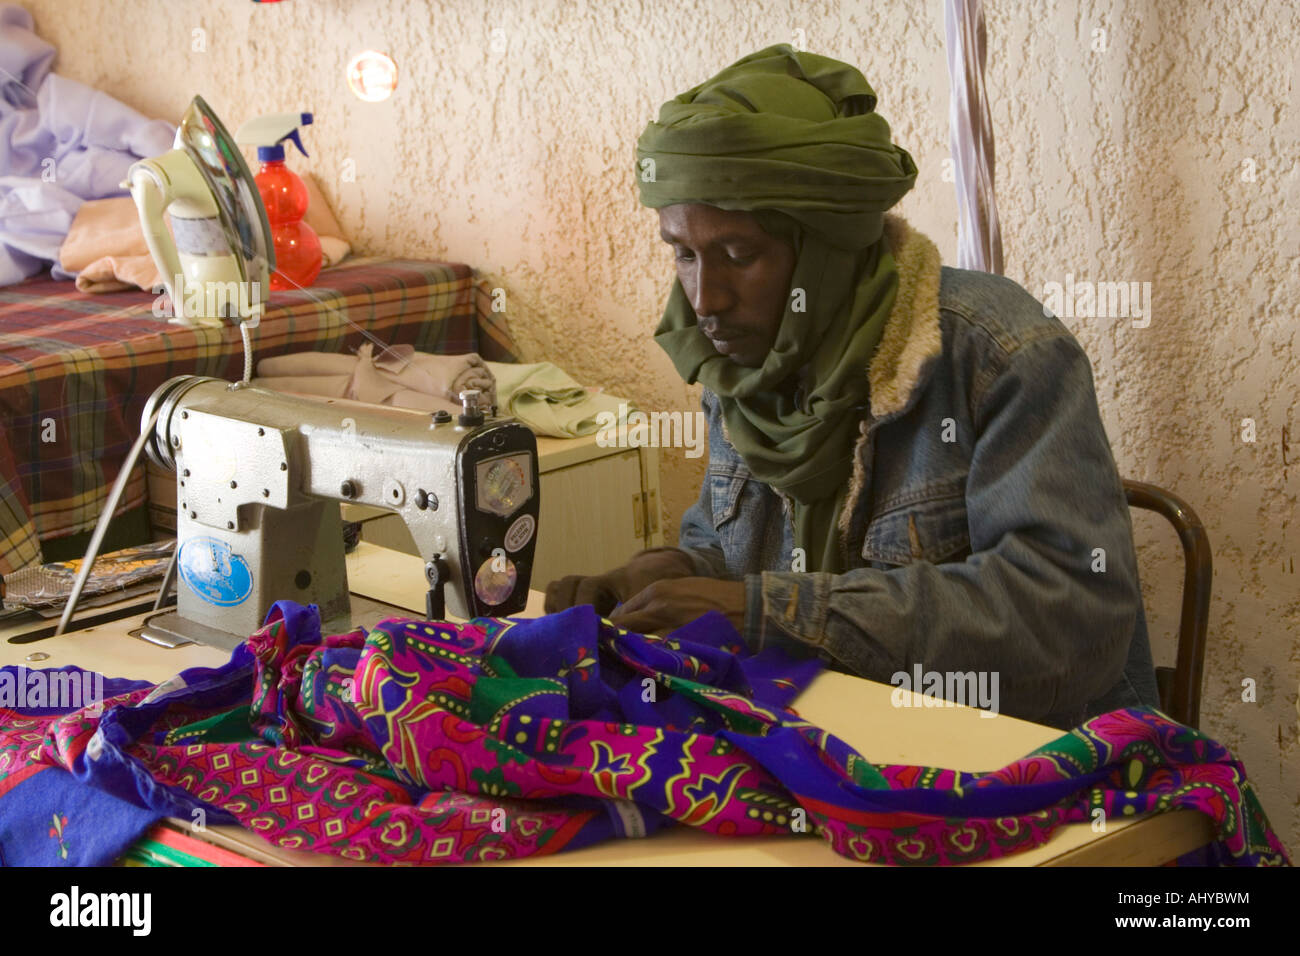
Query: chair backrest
[1180, 685]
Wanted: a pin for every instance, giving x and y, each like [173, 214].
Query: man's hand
[668, 604]
[606, 591]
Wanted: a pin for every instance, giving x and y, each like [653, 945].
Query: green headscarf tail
[791, 137]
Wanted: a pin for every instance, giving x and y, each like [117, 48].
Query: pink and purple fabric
[425, 742]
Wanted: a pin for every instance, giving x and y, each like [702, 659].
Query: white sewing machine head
[258, 475]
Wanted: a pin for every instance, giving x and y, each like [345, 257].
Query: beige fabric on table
[398, 376]
[542, 396]
[309, 364]
[105, 245]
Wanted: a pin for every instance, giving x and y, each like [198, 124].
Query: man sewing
[906, 462]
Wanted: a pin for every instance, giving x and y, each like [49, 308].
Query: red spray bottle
[297, 247]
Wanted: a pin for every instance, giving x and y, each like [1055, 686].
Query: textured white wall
[1128, 163]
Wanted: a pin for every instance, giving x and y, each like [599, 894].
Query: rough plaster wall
[1117, 165]
[1171, 157]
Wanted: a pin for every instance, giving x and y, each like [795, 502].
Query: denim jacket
[985, 500]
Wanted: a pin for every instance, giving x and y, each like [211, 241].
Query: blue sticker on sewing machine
[214, 572]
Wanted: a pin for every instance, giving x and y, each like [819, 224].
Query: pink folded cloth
[398, 376]
[105, 245]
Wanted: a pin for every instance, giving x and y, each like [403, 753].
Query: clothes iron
[216, 260]
[259, 475]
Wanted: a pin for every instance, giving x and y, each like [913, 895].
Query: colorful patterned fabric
[46, 813]
[430, 742]
[77, 369]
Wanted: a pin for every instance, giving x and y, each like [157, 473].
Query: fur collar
[912, 336]
[912, 332]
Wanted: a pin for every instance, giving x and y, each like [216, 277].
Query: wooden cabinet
[599, 507]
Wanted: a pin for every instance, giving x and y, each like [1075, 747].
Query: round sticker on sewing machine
[495, 580]
[214, 572]
[503, 484]
[520, 533]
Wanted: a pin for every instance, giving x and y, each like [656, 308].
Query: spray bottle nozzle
[268, 133]
[296, 141]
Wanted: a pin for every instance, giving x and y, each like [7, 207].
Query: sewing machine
[259, 476]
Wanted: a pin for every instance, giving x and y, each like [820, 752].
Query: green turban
[792, 137]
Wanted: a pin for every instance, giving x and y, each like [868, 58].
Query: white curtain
[979, 237]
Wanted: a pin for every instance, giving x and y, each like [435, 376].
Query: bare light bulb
[372, 76]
